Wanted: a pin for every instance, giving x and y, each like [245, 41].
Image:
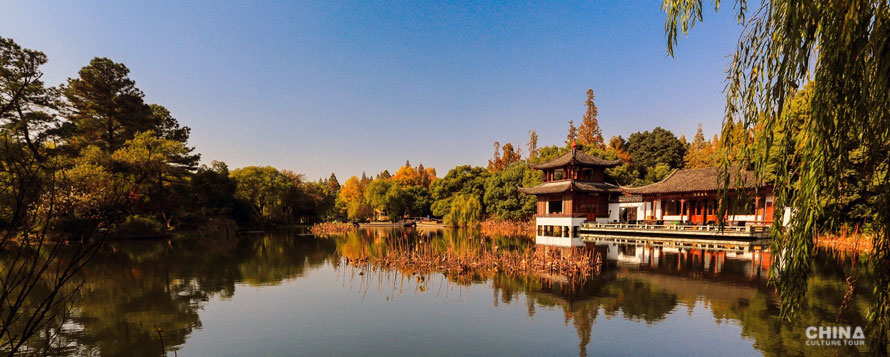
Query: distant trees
[411, 176]
[405, 193]
[503, 157]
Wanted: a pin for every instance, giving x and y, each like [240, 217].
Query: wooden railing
[575, 215]
[677, 227]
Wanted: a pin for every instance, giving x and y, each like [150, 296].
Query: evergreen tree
[26, 105]
[105, 107]
[333, 184]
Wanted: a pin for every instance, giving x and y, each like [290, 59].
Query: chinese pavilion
[573, 192]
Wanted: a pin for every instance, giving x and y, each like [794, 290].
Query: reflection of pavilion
[747, 264]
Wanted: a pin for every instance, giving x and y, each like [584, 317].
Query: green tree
[623, 174]
[165, 126]
[418, 201]
[376, 195]
[333, 184]
[149, 165]
[502, 197]
[647, 149]
[548, 153]
[262, 187]
[658, 173]
[465, 180]
[213, 190]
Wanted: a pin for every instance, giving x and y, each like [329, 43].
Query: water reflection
[135, 292]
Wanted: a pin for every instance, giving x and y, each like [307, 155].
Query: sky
[347, 87]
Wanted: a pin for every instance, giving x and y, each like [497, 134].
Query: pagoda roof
[579, 158]
[696, 180]
[569, 185]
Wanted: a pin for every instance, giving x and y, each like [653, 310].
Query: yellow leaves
[419, 176]
[352, 194]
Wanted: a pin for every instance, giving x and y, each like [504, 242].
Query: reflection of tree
[759, 319]
[638, 300]
[132, 288]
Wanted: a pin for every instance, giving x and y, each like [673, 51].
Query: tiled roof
[630, 199]
[580, 158]
[568, 185]
[693, 180]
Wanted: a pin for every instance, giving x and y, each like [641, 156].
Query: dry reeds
[422, 257]
[332, 228]
[845, 240]
[508, 228]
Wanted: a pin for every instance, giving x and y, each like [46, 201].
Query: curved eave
[569, 186]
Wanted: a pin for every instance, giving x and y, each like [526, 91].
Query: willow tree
[843, 48]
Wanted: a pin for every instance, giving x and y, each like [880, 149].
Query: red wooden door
[697, 212]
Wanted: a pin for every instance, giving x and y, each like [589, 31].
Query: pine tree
[106, 108]
[333, 183]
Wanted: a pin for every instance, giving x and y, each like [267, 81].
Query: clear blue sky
[364, 86]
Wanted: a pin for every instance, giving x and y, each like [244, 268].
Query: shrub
[137, 226]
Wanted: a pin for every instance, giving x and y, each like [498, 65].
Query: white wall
[615, 210]
[559, 221]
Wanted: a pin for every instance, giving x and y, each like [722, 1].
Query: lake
[290, 293]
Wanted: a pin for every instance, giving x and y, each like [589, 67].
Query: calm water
[291, 294]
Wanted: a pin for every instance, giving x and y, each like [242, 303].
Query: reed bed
[525, 229]
[845, 240]
[422, 257]
[332, 228]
